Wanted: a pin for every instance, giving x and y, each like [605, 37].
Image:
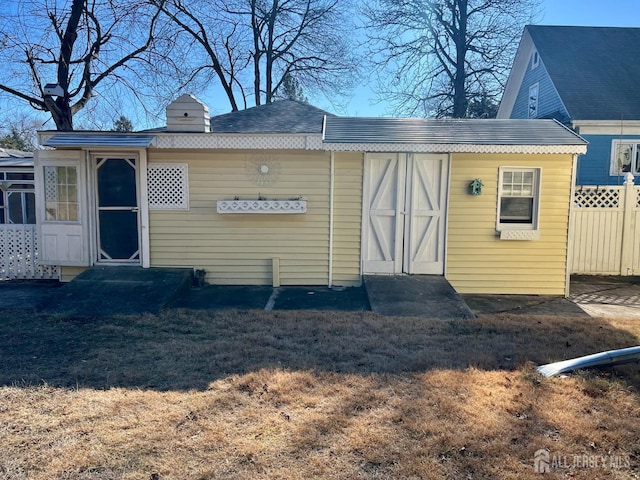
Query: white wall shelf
[262, 206]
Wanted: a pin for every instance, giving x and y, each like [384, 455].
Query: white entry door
[405, 213]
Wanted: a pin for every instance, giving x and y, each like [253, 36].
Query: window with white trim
[17, 197]
[535, 59]
[625, 157]
[534, 91]
[61, 194]
[518, 198]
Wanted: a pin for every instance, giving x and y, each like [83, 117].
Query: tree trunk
[60, 110]
[459, 90]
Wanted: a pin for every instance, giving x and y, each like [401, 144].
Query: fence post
[628, 227]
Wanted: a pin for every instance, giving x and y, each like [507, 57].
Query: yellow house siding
[347, 218]
[69, 273]
[477, 260]
[239, 248]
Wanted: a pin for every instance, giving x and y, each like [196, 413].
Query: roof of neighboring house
[282, 116]
[449, 131]
[594, 69]
[15, 158]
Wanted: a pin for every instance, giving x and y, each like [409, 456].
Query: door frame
[141, 198]
[401, 261]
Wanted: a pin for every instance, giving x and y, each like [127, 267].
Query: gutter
[603, 359]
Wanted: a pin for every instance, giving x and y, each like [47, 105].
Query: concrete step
[119, 290]
[427, 296]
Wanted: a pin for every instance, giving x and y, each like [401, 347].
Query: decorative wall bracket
[262, 206]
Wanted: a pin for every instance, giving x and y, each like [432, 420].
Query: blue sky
[603, 13]
[622, 13]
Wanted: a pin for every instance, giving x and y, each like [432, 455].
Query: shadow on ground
[188, 349]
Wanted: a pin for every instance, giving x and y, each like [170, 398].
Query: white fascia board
[607, 127]
[516, 75]
[455, 148]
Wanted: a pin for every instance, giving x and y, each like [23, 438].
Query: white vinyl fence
[19, 254]
[606, 230]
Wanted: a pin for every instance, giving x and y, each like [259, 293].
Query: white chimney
[187, 114]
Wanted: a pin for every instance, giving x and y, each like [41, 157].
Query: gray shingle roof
[448, 131]
[283, 116]
[594, 69]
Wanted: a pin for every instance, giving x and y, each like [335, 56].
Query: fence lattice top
[598, 197]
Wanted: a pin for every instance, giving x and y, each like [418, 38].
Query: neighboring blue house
[588, 78]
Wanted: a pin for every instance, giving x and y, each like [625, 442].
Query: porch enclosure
[605, 223]
[19, 254]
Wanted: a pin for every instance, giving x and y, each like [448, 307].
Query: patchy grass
[229, 394]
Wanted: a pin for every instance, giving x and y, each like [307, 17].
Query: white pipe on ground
[603, 359]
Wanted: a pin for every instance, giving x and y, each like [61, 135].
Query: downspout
[331, 195]
[570, 229]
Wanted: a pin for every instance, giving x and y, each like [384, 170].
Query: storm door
[117, 209]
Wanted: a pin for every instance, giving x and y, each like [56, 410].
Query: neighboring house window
[518, 198]
[61, 193]
[624, 157]
[535, 59]
[17, 198]
[533, 100]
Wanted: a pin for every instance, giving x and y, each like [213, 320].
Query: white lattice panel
[598, 197]
[637, 196]
[19, 254]
[168, 185]
[242, 142]
[51, 184]
[520, 235]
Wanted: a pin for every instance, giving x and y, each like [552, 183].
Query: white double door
[405, 199]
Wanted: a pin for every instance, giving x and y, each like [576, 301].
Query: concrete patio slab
[218, 297]
[427, 296]
[117, 290]
[26, 294]
[322, 298]
[523, 305]
[607, 297]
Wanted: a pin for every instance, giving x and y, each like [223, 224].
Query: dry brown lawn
[288, 395]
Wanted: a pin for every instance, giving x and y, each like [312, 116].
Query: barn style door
[405, 211]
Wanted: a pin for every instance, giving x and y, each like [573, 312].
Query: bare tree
[252, 46]
[76, 46]
[201, 24]
[302, 39]
[437, 56]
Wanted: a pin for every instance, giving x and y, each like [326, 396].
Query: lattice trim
[598, 197]
[262, 206]
[168, 186]
[455, 148]
[242, 142]
[19, 254]
[637, 189]
[520, 235]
